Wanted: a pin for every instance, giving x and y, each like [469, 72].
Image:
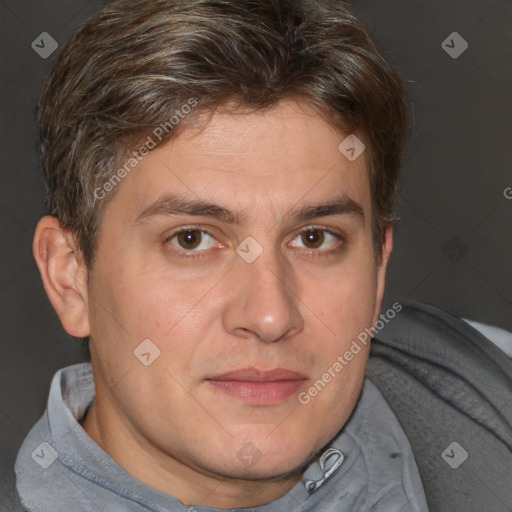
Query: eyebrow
[169, 205]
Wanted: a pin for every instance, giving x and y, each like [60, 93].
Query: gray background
[453, 244]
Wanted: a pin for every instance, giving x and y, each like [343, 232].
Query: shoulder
[451, 389]
[33, 465]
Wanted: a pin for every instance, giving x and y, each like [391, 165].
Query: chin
[251, 464]
[264, 472]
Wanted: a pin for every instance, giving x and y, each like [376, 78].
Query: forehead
[256, 162]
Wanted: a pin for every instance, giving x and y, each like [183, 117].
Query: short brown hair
[134, 64]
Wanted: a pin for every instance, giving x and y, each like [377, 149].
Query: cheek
[345, 307]
[175, 316]
[345, 300]
[144, 302]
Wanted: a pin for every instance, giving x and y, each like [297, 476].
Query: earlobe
[387, 247]
[63, 273]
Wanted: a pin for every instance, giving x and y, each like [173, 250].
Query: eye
[192, 240]
[316, 238]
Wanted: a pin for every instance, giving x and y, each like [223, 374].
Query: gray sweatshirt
[368, 466]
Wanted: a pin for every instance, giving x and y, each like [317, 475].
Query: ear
[386, 249]
[63, 273]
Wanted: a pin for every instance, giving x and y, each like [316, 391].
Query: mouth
[260, 387]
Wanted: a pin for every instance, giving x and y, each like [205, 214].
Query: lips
[255, 375]
[255, 386]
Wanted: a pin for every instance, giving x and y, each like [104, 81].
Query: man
[221, 189]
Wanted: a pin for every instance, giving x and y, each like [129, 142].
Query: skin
[298, 306]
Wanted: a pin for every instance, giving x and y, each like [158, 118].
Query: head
[201, 198]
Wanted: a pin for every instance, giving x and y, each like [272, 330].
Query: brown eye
[316, 240]
[189, 239]
[313, 238]
[192, 240]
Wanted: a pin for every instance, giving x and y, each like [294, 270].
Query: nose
[262, 303]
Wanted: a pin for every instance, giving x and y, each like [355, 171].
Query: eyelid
[339, 236]
[191, 253]
[167, 239]
[312, 227]
[190, 227]
[297, 232]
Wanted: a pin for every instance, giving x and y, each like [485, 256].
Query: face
[243, 252]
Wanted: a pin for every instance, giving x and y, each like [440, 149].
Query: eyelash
[197, 254]
[322, 253]
[183, 253]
